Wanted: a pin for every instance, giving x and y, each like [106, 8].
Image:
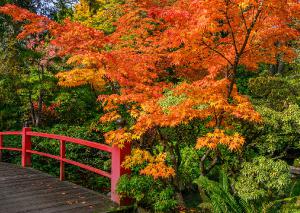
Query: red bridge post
[26, 145]
[62, 157]
[118, 156]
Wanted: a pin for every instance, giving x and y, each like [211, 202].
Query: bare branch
[218, 52]
[244, 19]
[231, 30]
[202, 167]
[259, 10]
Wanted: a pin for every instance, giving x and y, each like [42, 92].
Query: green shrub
[263, 179]
[148, 192]
[189, 168]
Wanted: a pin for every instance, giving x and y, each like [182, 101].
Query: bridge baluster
[62, 156]
[26, 145]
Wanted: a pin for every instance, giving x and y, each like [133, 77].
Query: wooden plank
[31, 191]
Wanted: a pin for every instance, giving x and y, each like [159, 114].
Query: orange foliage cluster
[211, 140]
[201, 41]
[37, 23]
[205, 101]
[155, 165]
[158, 170]
[119, 137]
[47, 110]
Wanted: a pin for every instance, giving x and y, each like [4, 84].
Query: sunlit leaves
[155, 165]
[98, 14]
[211, 140]
[263, 178]
[78, 77]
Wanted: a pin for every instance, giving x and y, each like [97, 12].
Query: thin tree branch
[259, 10]
[238, 55]
[202, 167]
[218, 52]
[231, 30]
[244, 19]
[212, 165]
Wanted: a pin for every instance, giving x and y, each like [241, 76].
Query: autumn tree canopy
[169, 62]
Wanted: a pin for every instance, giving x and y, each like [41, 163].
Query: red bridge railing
[117, 155]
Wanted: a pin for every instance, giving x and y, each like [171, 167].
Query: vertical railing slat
[26, 145]
[62, 163]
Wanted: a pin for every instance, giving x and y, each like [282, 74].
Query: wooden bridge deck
[28, 190]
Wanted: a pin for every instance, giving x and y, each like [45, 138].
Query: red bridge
[117, 156]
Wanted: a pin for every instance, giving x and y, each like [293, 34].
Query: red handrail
[11, 133]
[117, 155]
[72, 140]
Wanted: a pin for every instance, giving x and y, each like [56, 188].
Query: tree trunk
[180, 199]
[32, 110]
[40, 108]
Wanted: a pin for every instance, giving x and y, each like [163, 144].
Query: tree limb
[231, 30]
[218, 52]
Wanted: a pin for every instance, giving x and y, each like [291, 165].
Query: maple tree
[170, 62]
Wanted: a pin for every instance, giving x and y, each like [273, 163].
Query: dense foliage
[207, 94]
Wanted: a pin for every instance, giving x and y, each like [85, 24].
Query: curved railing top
[11, 133]
[64, 138]
[91, 144]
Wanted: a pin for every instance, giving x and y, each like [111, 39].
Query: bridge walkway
[31, 191]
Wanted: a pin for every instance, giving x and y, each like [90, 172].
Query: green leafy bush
[189, 168]
[263, 179]
[148, 192]
[276, 98]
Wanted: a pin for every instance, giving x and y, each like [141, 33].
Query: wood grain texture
[28, 190]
